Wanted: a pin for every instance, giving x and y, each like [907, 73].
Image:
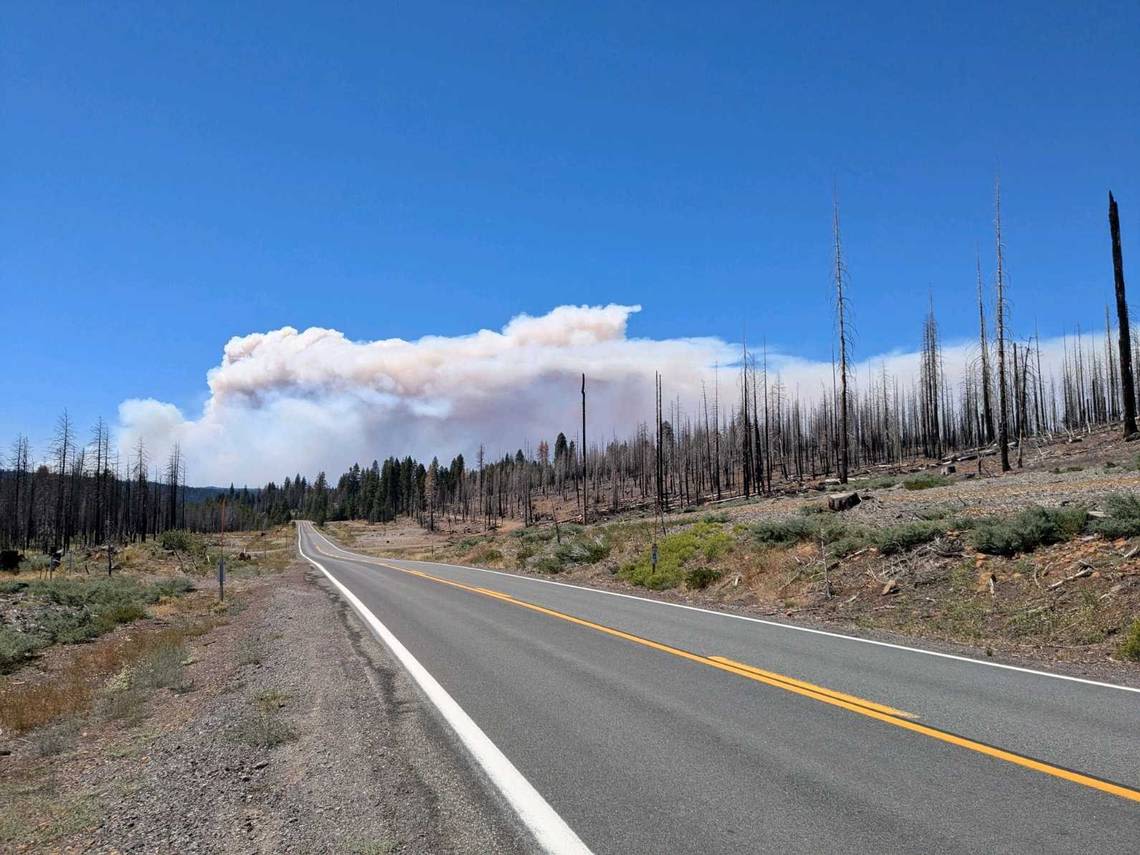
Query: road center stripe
[851, 703]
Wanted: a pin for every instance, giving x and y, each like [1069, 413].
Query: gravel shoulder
[299, 734]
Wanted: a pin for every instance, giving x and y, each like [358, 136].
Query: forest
[748, 435]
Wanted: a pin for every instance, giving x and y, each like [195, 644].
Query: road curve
[648, 728]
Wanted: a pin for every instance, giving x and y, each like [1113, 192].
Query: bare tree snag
[1003, 404]
[1127, 389]
[841, 320]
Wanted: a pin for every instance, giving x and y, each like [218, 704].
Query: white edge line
[773, 623]
[548, 828]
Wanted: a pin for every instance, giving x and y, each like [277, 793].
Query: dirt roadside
[299, 733]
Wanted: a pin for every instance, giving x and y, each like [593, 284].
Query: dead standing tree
[984, 347]
[1003, 404]
[841, 321]
[1127, 389]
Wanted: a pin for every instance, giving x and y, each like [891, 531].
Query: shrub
[178, 540]
[534, 534]
[1033, 527]
[783, 532]
[175, 587]
[1123, 516]
[900, 538]
[264, 728]
[585, 550]
[486, 555]
[547, 564]
[162, 668]
[1130, 646]
[700, 540]
[71, 611]
[926, 481]
[841, 541]
[56, 740]
[15, 648]
[524, 553]
[701, 577]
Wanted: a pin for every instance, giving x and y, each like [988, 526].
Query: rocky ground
[290, 730]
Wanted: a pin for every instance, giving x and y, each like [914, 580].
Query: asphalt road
[634, 721]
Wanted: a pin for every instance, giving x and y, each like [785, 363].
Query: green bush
[783, 532]
[486, 554]
[584, 550]
[1123, 516]
[701, 577]
[71, 611]
[547, 563]
[701, 540]
[841, 541]
[16, 648]
[524, 553]
[1031, 528]
[178, 540]
[1130, 646]
[534, 534]
[901, 538]
[879, 482]
[926, 481]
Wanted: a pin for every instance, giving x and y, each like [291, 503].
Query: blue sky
[176, 174]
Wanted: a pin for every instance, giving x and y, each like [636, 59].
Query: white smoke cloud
[290, 401]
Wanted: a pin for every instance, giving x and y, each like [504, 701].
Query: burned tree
[841, 321]
[1127, 389]
[1003, 404]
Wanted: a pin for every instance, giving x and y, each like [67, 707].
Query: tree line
[747, 435]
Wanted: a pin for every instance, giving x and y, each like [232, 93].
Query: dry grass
[263, 726]
[71, 679]
[29, 701]
[36, 813]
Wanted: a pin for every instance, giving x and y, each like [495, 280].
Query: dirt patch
[290, 730]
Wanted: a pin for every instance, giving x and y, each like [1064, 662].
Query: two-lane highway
[644, 727]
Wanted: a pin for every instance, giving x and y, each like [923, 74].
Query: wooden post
[222, 557]
[585, 486]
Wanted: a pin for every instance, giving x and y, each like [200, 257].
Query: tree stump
[842, 501]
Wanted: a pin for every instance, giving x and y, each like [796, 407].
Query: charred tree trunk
[1127, 389]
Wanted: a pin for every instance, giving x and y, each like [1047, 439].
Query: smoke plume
[290, 401]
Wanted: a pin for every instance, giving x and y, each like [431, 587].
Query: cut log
[1086, 570]
[949, 469]
[842, 501]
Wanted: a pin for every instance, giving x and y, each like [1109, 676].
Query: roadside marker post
[222, 557]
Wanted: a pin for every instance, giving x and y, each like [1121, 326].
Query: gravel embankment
[361, 764]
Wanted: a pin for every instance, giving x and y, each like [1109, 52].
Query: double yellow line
[851, 703]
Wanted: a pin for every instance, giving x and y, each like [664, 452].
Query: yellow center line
[822, 690]
[851, 703]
